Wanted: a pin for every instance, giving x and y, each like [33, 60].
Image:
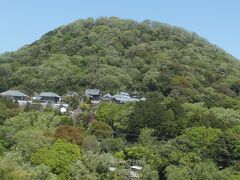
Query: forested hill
[188, 126]
[114, 54]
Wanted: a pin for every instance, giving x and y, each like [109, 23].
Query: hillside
[114, 54]
[188, 126]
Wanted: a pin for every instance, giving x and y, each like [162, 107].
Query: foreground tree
[155, 114]
[58, 157]
[70, 133]
[201, 171]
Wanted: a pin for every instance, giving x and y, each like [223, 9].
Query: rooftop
[48, 94]
[92, 92]
[12, 93]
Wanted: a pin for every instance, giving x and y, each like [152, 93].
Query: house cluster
[20, 96]
[46, 98]
[121, 97]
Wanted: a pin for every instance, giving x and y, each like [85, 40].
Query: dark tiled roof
[13, 93]
[48, 94]
[93, 92]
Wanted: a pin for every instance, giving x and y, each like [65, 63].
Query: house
[92, 93]
[15, 95]
[123, 97]
[49, 97]
[107, 97]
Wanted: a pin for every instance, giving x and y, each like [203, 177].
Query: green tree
[114, 115]
[153, 113]
[78, 171]
[112, 144]
[199, 139]
[91, 143]
[30, 140]
[201, 171]
[148, 174]
[100, 129]
[227, 148]
[34, 119]
[146, 137]
[58, 157]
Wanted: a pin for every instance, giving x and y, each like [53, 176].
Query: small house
[92, 93]
[49, 97]
[15, 95]
[123, 98]
[107, 97]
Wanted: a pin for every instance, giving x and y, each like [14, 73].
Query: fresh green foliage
[154, 113]
[187, 128]
[58, 157]
[114, 55]
[34, 119]
[112, 144]
[202, 171]
[100, 129]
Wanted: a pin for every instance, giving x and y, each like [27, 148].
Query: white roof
[94, 92]
[123, 97]
[136, 167]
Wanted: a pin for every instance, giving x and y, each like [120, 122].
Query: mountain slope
[114, 55]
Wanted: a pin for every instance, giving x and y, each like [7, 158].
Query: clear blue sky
[24, 21]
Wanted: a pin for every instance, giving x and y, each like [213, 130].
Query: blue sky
[24, 21]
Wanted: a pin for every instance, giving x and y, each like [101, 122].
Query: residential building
[49, 97]
[15, 95]
[92, 93]
[107, 97]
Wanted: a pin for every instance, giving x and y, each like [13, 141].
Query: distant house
[92, 93]
[15, 95]
[107, 97]
[123, 97]
[49, 96]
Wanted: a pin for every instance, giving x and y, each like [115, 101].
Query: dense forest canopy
[187, 128]
[113, 55]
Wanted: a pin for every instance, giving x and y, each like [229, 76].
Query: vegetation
[188, 127]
